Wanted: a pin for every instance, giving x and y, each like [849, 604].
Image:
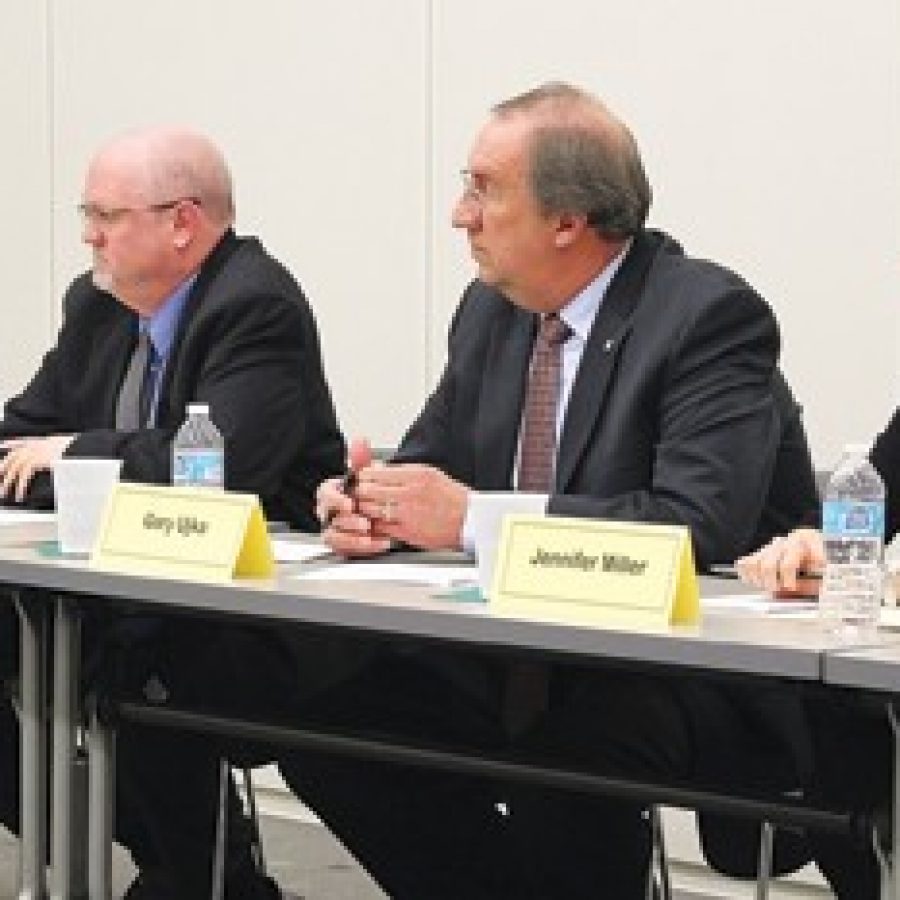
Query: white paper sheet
[297, 551]
[763, 604]
[24, 516]
[400, 573]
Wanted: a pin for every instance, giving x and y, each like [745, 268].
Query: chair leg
[766, 849]
[256, 847]
[218, 872]
[659, 886]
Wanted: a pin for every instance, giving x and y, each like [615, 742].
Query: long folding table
[728, 645]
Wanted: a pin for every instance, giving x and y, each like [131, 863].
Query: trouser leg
[9, 725]
[9, 766]
[581, 846]
[418, 832]
[167, 797]
[853, 756]
[167, 779]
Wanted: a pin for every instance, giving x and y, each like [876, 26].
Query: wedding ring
[389, 510]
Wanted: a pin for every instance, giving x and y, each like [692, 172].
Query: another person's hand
[26, 457]
[344, 528]
[776, 567]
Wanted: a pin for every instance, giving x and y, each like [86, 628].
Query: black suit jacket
[672, 416]
[246, 344]
[677, 414]
[885, 457]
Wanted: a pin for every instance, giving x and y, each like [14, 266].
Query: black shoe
[248, 884]
[154, 884]
[151, 885]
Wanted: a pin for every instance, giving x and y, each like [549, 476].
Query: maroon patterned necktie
[526, 691]
[538, 448]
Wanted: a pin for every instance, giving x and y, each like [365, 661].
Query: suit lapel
[209, 270]
[608, 334]
[502, 395]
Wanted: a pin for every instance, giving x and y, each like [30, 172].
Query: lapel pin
[608, 345]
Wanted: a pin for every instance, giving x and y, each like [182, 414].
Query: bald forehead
[163, 163]
[118, 170]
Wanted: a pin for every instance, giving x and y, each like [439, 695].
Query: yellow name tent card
[193, 533]
[595, 571]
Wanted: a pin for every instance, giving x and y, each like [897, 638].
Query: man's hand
[776, 566]
[344, 529]
[416, 504]
[26, 457]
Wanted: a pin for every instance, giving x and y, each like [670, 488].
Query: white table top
[725, 642]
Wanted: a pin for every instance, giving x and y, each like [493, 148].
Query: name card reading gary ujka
[595, 571]
[192, 533]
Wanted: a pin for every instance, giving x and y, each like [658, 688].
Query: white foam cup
[81, 487]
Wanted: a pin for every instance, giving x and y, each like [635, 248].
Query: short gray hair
[583, 160]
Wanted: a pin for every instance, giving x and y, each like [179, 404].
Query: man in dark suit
[853, 743]
[669, 409]
[228, 326]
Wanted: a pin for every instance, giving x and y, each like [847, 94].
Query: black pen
[729, 571]
[347, 486]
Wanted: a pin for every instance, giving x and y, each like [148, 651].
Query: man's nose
[90, 233]
[466, 213]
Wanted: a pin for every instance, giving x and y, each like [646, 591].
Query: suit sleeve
[717, 431]
[249, 364]
[793, 498]
[430, 438]
[885, 457]
[36, 410]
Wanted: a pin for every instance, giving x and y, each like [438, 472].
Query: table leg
[887, 846]
[890, 887]
[101, 756]
[33, 738]
[66, 719]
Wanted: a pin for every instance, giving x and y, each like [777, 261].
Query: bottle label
[204, 468]
[853, 519]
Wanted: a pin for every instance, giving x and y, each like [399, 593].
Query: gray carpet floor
[304, 858]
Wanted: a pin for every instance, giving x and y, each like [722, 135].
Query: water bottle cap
[856, 450]
[198, 409]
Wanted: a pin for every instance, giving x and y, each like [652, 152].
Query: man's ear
[184, 224]
[569, 228]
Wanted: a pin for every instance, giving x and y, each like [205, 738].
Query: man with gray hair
[195, 313]
[661, 372]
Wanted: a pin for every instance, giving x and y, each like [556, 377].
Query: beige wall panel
[26, 302]
[322, 110]
[771, 133]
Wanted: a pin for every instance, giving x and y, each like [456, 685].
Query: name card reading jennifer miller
[595, 571]
[185, 532]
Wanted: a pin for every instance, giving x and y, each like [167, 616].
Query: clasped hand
[390, 502]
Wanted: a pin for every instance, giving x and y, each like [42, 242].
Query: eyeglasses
[475, 186]
[105, 216]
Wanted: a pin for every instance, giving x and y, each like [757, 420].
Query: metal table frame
[876, 671]
[724, 645]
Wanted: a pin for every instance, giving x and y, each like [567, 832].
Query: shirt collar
[579, 313]
[163, 324]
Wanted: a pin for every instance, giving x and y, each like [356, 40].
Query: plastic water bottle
[853, 528]
[198, 452]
